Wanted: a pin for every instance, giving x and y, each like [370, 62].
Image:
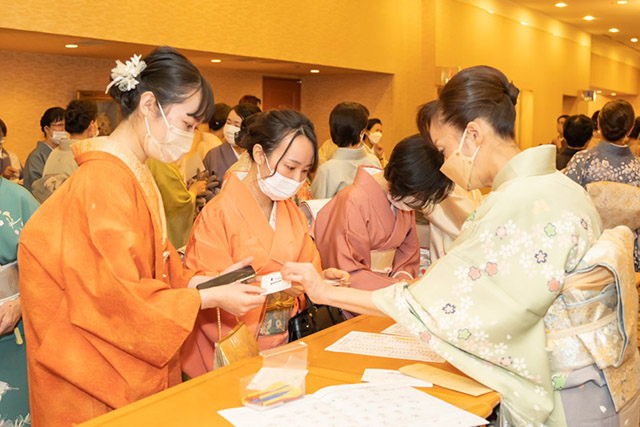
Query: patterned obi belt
[594, 322]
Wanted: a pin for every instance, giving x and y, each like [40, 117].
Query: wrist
[329, 296]
[209, 298]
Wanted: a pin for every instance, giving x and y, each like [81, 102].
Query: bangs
[205, 109]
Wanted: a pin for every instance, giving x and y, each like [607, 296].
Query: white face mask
[230, 132]
[375, 137]
[177, 143]
[278, 187]
[58, 136]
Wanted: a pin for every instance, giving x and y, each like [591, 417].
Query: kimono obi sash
[9, 289]
[617, 203]
[382, 261]
[593, 321]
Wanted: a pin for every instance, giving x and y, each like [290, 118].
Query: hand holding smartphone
[242, 275]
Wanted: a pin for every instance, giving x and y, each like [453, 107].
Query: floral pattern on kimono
[481, 306]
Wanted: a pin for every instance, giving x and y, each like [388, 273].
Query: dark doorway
[281, 93]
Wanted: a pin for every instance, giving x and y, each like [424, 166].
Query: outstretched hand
[306, 274]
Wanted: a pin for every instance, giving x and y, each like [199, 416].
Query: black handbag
[313, 319]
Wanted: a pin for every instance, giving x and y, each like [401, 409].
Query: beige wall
[406, 39]
[31, 82]
[533, 59]
[321, 93]
[380, 36]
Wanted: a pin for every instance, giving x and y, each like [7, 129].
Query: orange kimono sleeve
[109, 261]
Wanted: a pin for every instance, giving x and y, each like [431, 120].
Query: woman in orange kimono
[369, 228]
[254, 216]
[105, 299]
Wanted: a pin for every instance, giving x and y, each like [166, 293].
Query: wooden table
[197, 401]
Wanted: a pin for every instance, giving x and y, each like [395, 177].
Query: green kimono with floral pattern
[482, 306]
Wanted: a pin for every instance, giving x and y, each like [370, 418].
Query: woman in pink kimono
[369, 228]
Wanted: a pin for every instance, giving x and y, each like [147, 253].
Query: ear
[258, 154]
[148, 104]
[475, 134]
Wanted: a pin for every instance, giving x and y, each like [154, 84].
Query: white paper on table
[392, 376]
[267, 376]
[390, 346]
[358, 405]
[397, 329]
[272, 283]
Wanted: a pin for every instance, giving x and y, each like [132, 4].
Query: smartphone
[242, 275]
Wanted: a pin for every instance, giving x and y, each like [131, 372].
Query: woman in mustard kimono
[254, 216]
[512, 304]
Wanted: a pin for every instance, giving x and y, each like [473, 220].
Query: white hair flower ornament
[124, 75]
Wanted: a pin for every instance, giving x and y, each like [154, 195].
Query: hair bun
[512, 92]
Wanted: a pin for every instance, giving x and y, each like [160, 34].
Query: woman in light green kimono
[489, 303]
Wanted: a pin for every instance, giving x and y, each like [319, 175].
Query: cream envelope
[445, 379]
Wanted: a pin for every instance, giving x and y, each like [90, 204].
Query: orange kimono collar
[139, 170]
[276, 242]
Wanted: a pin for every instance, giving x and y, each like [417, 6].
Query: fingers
[296, 268]
[292, 277]
[249, 288]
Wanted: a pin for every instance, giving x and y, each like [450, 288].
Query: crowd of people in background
[111, 309]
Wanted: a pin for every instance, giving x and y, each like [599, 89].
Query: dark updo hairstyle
[3, 129]
[246, 112]
[594, 118]
[372, 122]
[635, 132]
[79, 115]
[219, 117]
[578, 130]
[172, 78]
[480, 92]
[250, 99]
[616, 120]
[426, 113]
[347, 121]
[273, 127]
[414, 171]
[52, 115]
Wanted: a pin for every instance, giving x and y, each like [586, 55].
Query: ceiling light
[561, 4]
[622, 1]
[613, 30]
[216, 60]
[634, 40]
[491, 12]
[588, 18]
[524, 23]
[598, 91]
[71, 46]
[613, 94]
[314, 71]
